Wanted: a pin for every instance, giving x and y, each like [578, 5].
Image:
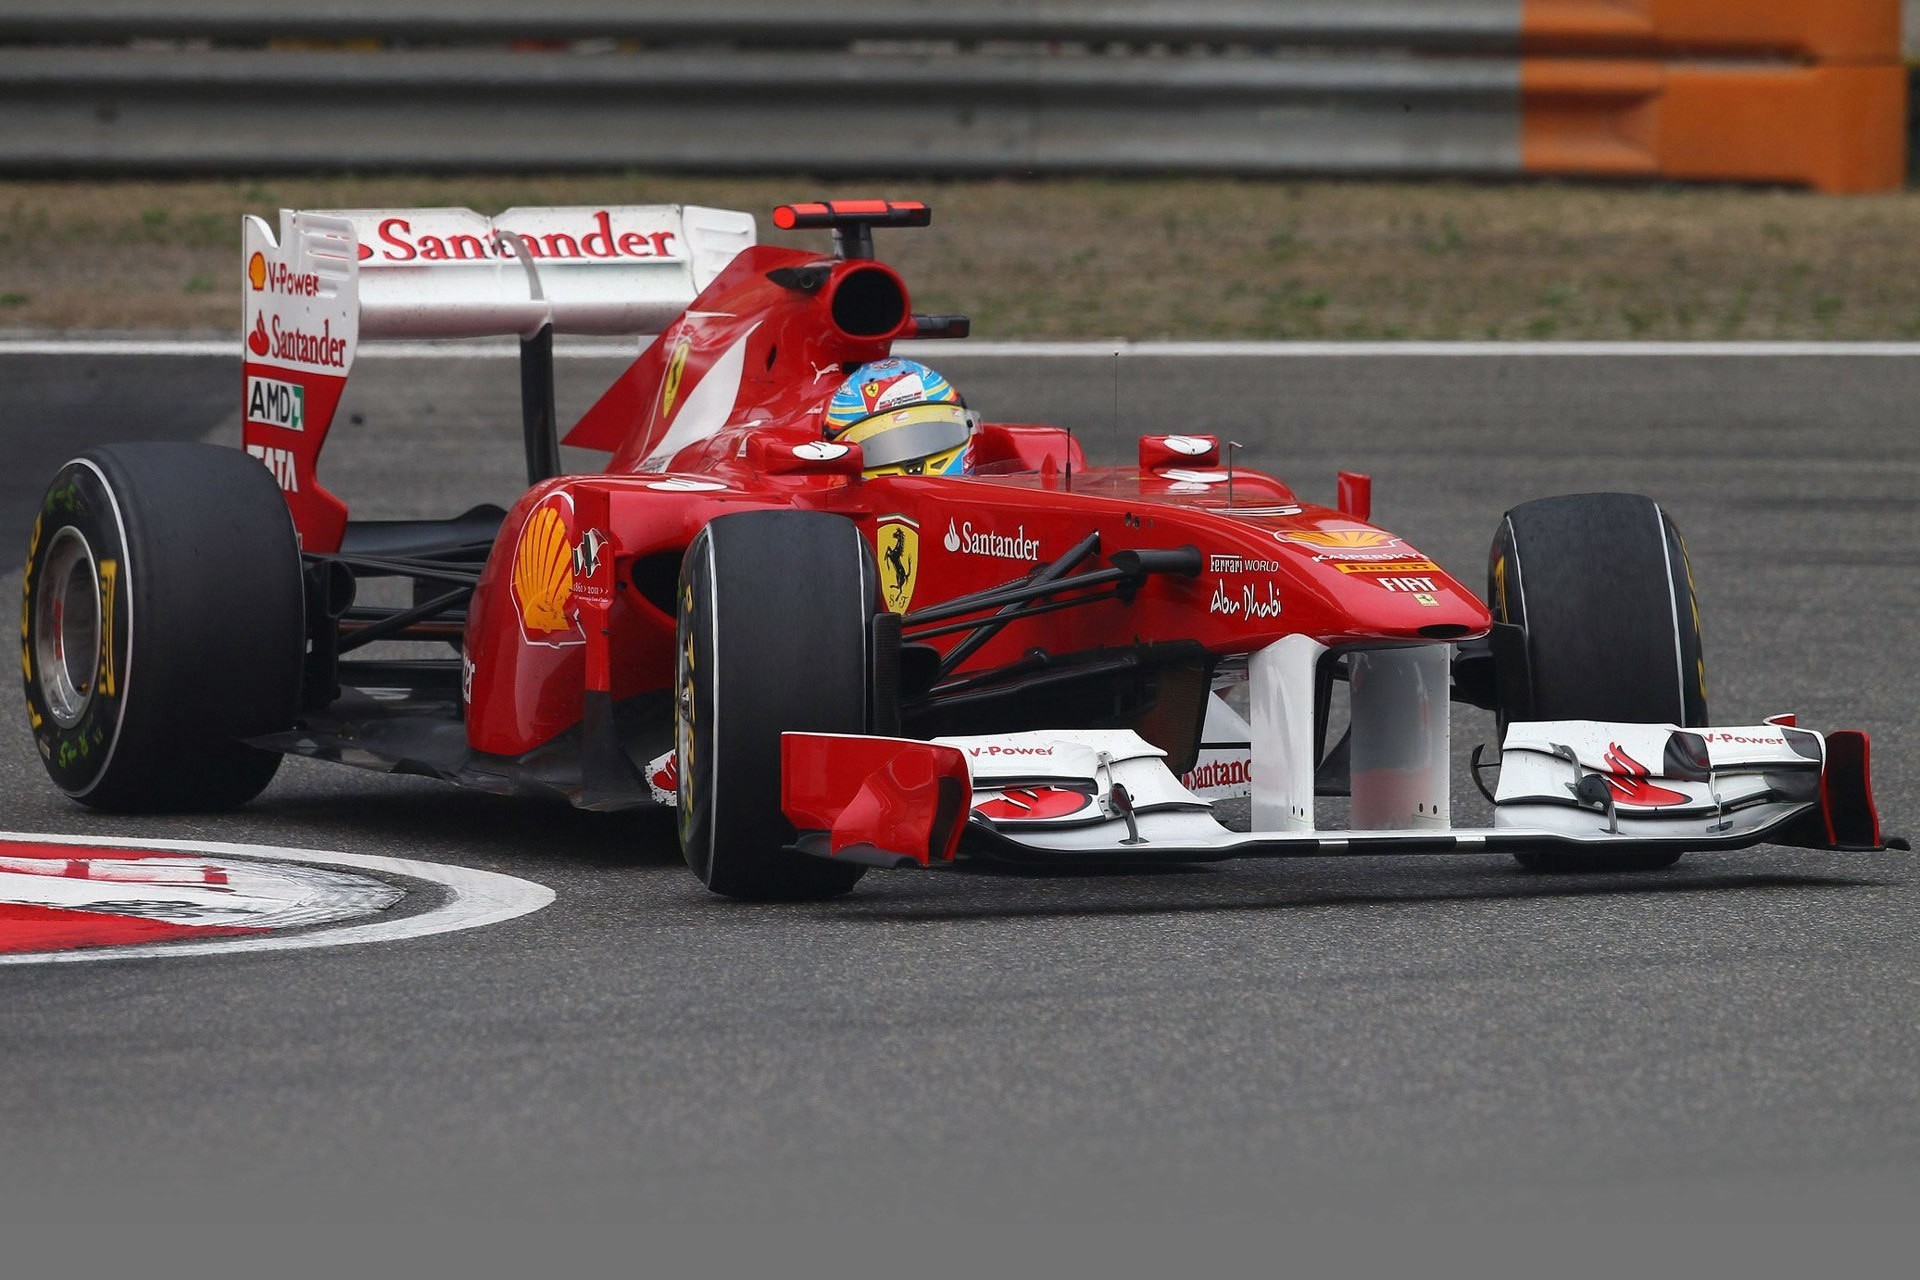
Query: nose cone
[1425, 604]
[1375, 585]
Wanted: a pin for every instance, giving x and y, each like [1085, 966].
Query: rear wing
[333, 277]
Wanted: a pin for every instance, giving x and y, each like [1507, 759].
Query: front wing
[1107, 797]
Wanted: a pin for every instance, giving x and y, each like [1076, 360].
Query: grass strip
[1099, 258]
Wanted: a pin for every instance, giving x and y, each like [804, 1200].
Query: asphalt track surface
[1738, 1038]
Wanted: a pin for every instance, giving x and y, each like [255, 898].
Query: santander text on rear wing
[332, 277]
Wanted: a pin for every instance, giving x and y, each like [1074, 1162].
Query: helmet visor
[905, 435]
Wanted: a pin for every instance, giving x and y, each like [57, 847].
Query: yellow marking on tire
[109, 576]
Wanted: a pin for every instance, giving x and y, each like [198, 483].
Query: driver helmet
[907, 420]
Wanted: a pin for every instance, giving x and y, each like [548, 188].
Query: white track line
[490, 350]
[479, 898]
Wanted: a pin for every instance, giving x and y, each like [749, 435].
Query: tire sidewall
[1686, 608]
[203, 556]
[77, 756]
[1530, 547]
[694, 694]
[773, 633]
[1578, 663]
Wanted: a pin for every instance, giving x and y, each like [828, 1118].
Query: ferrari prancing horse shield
[897, 542]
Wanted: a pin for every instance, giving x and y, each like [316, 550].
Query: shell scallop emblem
[543, 574]
[1340, 539]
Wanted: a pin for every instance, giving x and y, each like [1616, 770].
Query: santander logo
[961, 539]
[292, 345]
[395, 240]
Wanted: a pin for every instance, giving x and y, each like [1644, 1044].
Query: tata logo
[281, 463]
[273, 403]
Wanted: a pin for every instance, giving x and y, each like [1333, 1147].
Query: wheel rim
[689, 722]
[683, 720]
[66, 647]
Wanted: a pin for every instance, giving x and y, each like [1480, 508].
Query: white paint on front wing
[1737, 747]
[1284, 744]
[1012, 765]
[1400, 760]
[1663, 824]
[1532, 775]
[1191, 828]
[1749, 764]
[1400, 707]
[1050, 753]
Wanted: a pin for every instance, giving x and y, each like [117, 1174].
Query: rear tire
[1601, 623]
[163, 621]
[775, 618]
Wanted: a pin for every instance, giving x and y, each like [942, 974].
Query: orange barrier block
[1833, 128]
[1814, 30]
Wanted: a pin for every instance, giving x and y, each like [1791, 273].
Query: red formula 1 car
[838, 620]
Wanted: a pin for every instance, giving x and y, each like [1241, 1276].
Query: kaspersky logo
[273, 403]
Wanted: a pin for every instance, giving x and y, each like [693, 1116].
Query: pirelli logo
[1390, 566]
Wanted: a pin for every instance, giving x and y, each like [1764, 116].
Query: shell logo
[543, 574]
[257, 271]
[1341, 539]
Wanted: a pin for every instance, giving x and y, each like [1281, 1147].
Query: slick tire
[775, 617]
[163, 620]
[1595, 616]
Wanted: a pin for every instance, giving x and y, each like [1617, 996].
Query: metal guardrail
[1820, 29]
[1810, 94]
[79, 112]
[1486, 25]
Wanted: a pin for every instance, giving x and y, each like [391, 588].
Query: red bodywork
[711, 418]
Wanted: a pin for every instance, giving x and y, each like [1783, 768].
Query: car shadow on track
[446, 824]
[1383, 888]
[452, 823]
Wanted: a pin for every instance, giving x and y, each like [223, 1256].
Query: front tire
[1595, 597]
[163, 620]
[775, 618]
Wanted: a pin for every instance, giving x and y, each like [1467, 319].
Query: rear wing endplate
[333, 277]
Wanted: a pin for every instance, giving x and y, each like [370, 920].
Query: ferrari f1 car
[838, 620]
